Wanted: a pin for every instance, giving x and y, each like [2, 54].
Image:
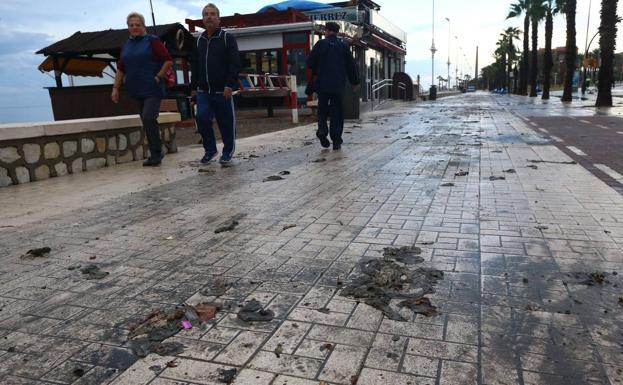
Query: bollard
[294, 105]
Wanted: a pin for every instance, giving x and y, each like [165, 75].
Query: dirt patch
[253, 311]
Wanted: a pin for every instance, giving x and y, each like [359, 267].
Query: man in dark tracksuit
[215, 66]
[331, 61]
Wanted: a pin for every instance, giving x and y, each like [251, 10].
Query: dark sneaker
[324, 142]
[337, 146]
[208, 157]
[152, 162]
[225, 160]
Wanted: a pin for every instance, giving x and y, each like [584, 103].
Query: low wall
[37, 151]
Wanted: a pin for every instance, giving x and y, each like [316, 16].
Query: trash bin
[432, 93]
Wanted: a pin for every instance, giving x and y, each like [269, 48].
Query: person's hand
[193, 97]
[157, 79]
[114, 96]
[227, 93]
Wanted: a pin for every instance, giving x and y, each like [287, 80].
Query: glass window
[248, 62]
[297, 66]
[270, 61]
[295, 38]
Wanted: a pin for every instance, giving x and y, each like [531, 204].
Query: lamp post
[456, 62]
[448, 83]
[433, 91]
[583, 85]
[153, 18]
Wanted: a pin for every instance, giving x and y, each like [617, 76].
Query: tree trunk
[547, 60]
[535, 56]
[607, 42]
[524, 71]
[570, 51]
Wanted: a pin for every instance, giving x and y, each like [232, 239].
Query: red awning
[390, 46]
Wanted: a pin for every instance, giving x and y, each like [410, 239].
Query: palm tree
[550, 11]
[607, 42]
[510, 34]
[501, 54]
[568, 7]
[537, 12]
[517, 9]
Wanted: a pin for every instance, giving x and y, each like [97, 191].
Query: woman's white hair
[135, 15]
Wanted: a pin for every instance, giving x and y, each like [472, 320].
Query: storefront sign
[334, 14]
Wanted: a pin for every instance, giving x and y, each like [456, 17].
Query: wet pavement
[530, 260]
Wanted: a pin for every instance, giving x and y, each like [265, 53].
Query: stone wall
[70, 150]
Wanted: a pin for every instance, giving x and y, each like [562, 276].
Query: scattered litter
[461, 173]
[385, 280]
[621, 301]
[169, 238]
[74, 267]
[407, 137]
[386, 136]
[92, 257]
[285, 227]
[186, 324]
[284, 173]
[93, 272]
[36, 253]
[339, 222]
[215, 288]
[541, 227]
[493, 177]
[272, 178]
[78, 372]
[324, 310]
[155, 368]
[254, 156]
[406, 254]
[510, 171]
[278, 350]
[525, 280]
[319, 160]
[396, 338]
[590, 279]
[228, 375]
[252, 311]
[533, 166]
[205, 170]
[171, 364]
[206, 311]
[420, 306]
[308, 143]
[339, 281]
[551, 161]
[448, 184]
[497, 151]
[229, 227]
[327, 346]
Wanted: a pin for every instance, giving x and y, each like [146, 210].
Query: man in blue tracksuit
[331, 61]
[215, 65]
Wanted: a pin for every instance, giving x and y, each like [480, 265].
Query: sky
[27, 26]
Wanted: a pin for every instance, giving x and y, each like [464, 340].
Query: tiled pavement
[510, 311]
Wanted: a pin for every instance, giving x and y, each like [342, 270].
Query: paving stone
[61, 169]
[241, 348]
[286, 364]
[51, 150]
[23, 175]
[381, 377]
[87, 145]
[42, 172]
[70, 147]
[9, 154]
[5, 180]
[343, 364]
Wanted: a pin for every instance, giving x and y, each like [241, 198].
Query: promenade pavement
[528, 240]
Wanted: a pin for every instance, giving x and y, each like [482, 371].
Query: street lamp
[448, 83]
[432, 92]
[456, 62]
[153, 18]
[583, 85]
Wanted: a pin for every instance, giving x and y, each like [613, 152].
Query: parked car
[471, 88]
